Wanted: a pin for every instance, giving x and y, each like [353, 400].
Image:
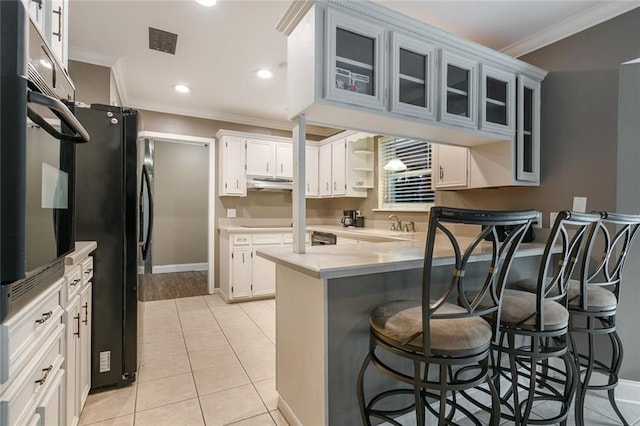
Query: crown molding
[121, 88]
[91, 57]
[293, 15]
[569, 27]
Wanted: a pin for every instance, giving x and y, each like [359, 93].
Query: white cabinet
[85, 344]
[497, 100]
[346, 165]
[71, 320]
[528, 130]
[266, 158]
[312, 171]
[325, 170]
[51, 18]
[412, 77]
[339, 167]
[284, 160]
[459, 90]
[33, 390]
[240, 272]
[354, 64]
[261, 158]
[450, 166]
[233, 178]
[244, 274]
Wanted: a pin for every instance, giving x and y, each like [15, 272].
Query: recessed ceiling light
[207, 3]
[264, 73]
[181, 88]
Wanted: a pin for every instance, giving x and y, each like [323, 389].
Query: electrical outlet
[552, 218]
[231, 212]
[537, 222]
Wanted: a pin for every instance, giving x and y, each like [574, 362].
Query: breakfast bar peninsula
[323, 301]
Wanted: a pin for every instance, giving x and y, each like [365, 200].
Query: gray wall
[92, 82]
[628, 200]
[181, 185]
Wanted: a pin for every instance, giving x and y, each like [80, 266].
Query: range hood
[269, 184]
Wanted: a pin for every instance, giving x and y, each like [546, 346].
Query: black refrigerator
[106, 212]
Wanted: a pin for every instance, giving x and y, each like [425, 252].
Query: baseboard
[184, 267]
[288, 413]
[628, 391]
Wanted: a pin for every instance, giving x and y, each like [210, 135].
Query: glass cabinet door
[458, 91]
[528, 130]
[412, 77]
[354, 71]
[497, 102]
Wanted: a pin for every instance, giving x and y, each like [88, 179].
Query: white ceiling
[219, 48]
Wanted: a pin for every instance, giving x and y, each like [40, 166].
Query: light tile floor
[203, 362]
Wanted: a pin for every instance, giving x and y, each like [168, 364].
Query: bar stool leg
[616, 363]
[360, 390]
[417, 391]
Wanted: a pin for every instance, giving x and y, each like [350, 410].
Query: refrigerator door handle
[62, 112]
[145, 184]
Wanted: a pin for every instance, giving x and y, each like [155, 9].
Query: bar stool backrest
[615, 235]
[574, 234]
[491, 251]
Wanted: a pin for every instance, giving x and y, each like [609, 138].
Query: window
[408, 189]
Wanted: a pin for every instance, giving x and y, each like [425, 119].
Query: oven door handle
[62, 112]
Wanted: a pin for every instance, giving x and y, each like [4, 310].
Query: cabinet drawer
[241, 240]
[19, 401]
[23, 333]
[87, 269]
[73, 283]
[267, 239]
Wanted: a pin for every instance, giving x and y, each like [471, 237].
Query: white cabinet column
[299, 186]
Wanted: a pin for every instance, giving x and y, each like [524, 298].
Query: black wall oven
[38, 132]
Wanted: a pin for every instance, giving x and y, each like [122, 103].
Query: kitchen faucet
[396, 225]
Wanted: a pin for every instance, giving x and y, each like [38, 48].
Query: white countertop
[365, 234]
[83, 248]
[366, 258]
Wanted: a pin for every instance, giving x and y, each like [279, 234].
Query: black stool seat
[400, 323]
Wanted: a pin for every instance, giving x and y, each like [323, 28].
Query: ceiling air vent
[162, 41]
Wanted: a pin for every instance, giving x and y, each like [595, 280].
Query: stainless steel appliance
[107, 212]
[349, 217]
[269, 184]
[323, 238]
[38, 134]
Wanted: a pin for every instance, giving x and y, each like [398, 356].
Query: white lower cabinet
[244, 274]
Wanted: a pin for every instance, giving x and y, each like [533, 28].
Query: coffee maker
[349, 217]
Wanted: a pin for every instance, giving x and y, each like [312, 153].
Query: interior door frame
[210, 142]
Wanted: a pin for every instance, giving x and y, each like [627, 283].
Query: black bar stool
[440, 345]
[534, 323]
[592, 305]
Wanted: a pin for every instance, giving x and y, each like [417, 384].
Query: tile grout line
[236, 354]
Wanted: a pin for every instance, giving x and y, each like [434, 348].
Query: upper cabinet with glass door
[412, 77]
[528, 130]
[497, 100]
[459, 90]
[355, 50]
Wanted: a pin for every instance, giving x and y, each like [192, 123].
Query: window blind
[409, 189]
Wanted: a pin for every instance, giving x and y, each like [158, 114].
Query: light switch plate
[580, 204]
[552, 218]
[231, 212]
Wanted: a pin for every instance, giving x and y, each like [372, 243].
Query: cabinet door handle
[59, 33]
[441, 173]
[334, 185]
[77, 318]
[237, 183]
[46, 372]
[327, 185]
[267, 166]
[281, 167]
[86, 313]
[242, 257]
[88, 271]
[44, 318]
[307, 187]
[75, 282]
